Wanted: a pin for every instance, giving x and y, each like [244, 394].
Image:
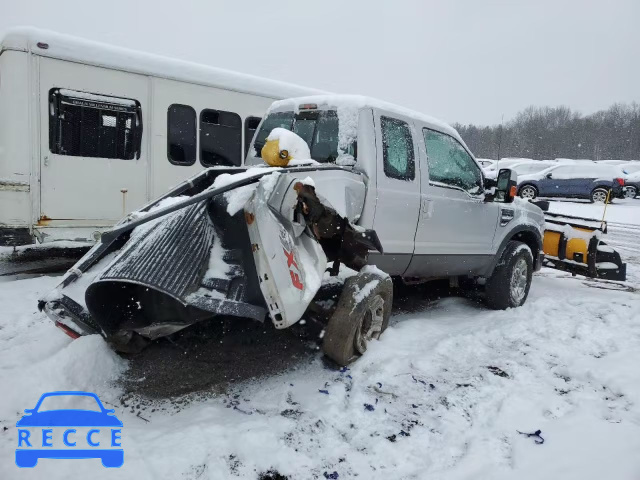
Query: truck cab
[426, 197]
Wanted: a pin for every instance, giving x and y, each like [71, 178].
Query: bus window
[181, 134]
[220, 138]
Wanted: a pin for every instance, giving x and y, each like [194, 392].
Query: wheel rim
[528, 192]
[600, 196]
[630, 193]
[371, 326]
[519, 278]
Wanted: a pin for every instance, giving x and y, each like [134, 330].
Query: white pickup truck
[384, 191]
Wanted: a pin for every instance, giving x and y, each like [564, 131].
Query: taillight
[620, 181]
[72, 333]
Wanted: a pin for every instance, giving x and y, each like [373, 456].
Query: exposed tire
[508, 286]
[528, 192]
[600, 195]
[362, 315]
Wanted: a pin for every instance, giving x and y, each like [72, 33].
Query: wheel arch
[527, 234]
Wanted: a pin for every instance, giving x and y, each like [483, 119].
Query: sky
[466, 61]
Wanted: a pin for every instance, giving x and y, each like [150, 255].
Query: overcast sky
[466, 61]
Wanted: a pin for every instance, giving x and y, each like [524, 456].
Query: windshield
[66, 402]
[318, 128]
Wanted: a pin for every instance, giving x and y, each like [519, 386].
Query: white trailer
[90, 132]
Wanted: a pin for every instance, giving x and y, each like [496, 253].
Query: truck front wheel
[362, 315]
[508, 286]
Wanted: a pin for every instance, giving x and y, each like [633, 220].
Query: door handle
[426, 208]
[506, 215]
[46, 160]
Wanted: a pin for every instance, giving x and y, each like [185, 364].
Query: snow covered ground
[441, 396]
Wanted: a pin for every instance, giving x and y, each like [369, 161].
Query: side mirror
[506, 188]
[548, 175]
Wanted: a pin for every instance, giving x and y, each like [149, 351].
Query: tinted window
[250, 126]
[397, 146]
[90, 125]
[450, 164]
[220, 138]
[181, 134]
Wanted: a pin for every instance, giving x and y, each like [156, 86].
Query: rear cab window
[318, 128]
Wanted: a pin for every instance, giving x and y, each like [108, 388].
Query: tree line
[559, 132]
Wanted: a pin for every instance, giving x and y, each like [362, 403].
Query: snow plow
[573, 244]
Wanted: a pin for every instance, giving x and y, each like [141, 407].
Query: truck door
[456, 227]
[398, 192]
[92, 167]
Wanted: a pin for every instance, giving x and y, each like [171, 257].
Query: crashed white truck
[362, 184]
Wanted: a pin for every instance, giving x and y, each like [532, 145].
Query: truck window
[450, 164]
[250, 126]
[220, 138]
[397, 147]
[318, 128]
[181, 134]
[85, 124]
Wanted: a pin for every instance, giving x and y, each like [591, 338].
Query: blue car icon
[36, 419]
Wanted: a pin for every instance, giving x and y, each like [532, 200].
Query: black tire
[344, 340]
[528, 187]
[499, 291]
[596, 195]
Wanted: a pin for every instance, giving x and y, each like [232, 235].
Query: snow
[625, 211]
[238, 197]
[291, 142]
[308, 181]
[79, 50]
[441, 395]
[217, 267]
[346, 105]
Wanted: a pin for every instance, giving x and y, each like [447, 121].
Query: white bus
[89, 132]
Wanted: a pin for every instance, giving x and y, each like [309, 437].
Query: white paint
[78, 192]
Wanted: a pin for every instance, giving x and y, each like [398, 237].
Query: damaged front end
[193, 255]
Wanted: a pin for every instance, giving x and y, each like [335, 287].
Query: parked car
[381, 189]
[632, 185]
[590, 181]
[485, 162]
[527, 168]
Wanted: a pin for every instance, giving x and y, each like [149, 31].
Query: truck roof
[65, 47]
[360, 101]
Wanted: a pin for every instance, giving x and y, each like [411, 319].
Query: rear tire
[362, 315]
[508, 286]
[600, 195]
[631, 192]
[528, 192]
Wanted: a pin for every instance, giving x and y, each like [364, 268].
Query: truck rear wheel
[508, 286]
[362, 315]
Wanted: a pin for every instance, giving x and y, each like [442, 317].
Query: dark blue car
[28, 453]
[590, 181]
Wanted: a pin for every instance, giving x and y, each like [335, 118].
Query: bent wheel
[361, 316]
